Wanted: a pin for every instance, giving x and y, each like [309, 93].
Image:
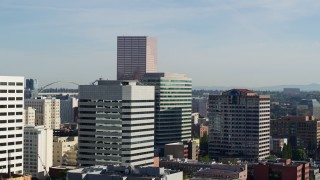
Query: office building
[309, 107]
[301, 131]
[29, 116]
[37, 151]
[65, 150]
[200, 105]
[173, 106]
[47, 112]
[136, 55]
[239, 125]
[11, 123]
[116, 124]
[68, 109]
[31, 88]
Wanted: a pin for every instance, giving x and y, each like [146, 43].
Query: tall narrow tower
[173, 107]
[136, 55]
[11, 124]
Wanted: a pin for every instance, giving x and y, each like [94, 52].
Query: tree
[205, 159]
[204, 144]
[272, 157]
[299, 155]
[287, 151]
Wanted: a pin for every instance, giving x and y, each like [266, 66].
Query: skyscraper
[173, 106]
[239, 125]
[11, 124]
[136, 55]
[31, 89]
[116, 124]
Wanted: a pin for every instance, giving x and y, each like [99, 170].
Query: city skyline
[248, 44]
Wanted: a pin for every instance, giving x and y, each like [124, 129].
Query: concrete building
[205, 170]
[239, 125]
[136, 55]
[301, 131]
[68, 108]
[30, 116]
[309, 107]
[116, 124]
[182, 150]
[111, 172]
[200, 105]
[65, 151]
[11, 123]
[173, 106]
[47, 112]
[37, 150]
[281, 169]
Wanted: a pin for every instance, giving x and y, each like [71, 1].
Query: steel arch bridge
[48, 85]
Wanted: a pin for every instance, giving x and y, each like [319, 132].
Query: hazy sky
[220, 42]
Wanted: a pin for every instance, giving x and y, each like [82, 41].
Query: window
[3, 98]
[3, 91]
[19, 84]
[3, 83]
[12, 91]
[12, 84]
[18, 91]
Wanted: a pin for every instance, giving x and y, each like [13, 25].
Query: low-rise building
[111, 172]
[202, 170]
[186, 149]
[5, 176]
[314, 173]
[65, 151]
[281, 169]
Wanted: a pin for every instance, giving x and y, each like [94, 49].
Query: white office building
[38, 142]
[47, 112]
[116, 124]
[11, 123]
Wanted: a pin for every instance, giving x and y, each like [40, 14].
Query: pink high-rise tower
[136, 55]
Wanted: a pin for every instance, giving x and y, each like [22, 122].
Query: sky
[215, 42]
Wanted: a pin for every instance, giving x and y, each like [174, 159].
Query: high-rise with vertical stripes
[116, 124]
[11, 123]
[136, 55]
[173, 107]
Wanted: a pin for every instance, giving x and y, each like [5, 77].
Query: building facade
[37, 150]
[47, 112]
[239, 125]
[136, 55]
[30, 116]
[67, 109]
[31, 89]
[116, 124]
[301, 131]
[173, 106]
[11, 123]
[65, 151]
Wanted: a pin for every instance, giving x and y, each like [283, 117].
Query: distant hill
[308, 87]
